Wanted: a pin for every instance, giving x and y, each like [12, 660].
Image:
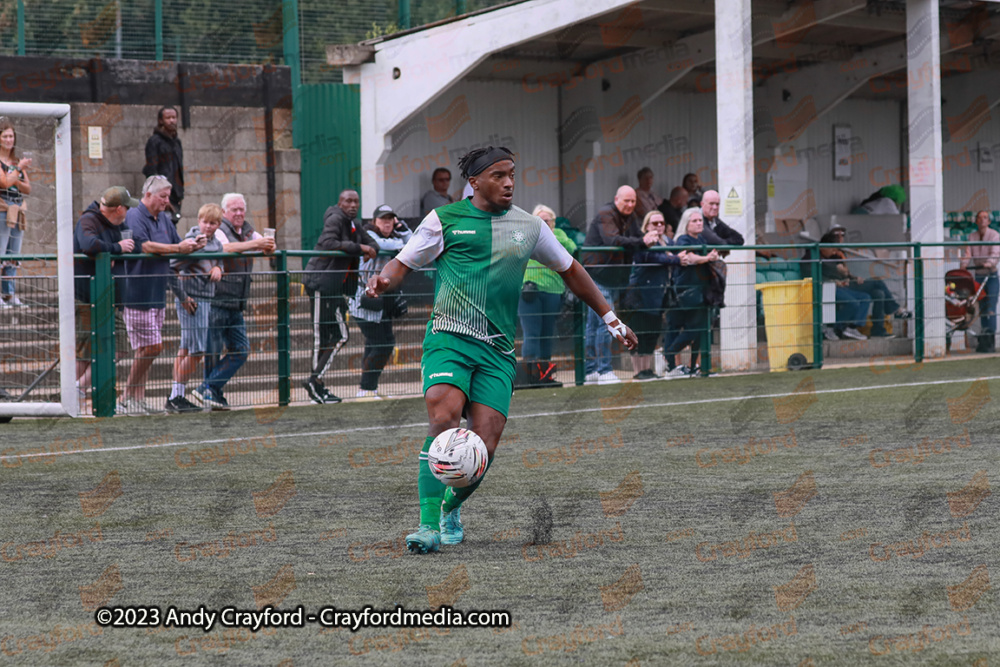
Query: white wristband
[610, 317]
[614, 330]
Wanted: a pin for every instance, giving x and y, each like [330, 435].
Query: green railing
[104, 382]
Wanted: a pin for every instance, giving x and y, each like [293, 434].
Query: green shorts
[483, 373]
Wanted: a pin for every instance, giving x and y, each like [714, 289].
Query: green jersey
[480, 259]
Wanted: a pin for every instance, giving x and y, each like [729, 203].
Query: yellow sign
[733, 207]
[770, 187]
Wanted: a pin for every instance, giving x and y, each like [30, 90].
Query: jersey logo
[441, 375]
[463, 231]
[518, 237]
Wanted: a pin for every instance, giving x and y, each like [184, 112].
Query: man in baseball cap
[384, 211]
[98, 230]
[117, 196]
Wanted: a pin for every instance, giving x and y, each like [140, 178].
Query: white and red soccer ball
[458, 457]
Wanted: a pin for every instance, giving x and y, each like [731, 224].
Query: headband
[488, 159]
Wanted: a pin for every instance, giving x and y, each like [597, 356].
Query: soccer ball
[458, 457]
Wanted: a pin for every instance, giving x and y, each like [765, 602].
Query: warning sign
[733, 208]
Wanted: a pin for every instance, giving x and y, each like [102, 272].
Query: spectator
[713, 223]
[614, 225]
[165, 156]
[98, 230]
[194, 288]
[438, 194]
[327, 280]
[690, 318]
[984, 260]
[145, 287]
[14, 184]
[693, 187]
[851, 305]
[883, 302]
[888, 200]
[538, 307]
[374, 315]
[227, 329]
[673, 208]
[652, 273]
[646, 200]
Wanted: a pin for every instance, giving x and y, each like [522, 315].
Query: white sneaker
[830, 334]
[608, 378]
[592, 378]
[851, 332]
[371, 394]
[5, 304]
[14, 301]
[677, 372]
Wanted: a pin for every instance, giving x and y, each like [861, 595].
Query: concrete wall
[469, 115]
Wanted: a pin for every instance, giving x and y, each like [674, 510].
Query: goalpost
[69, 404]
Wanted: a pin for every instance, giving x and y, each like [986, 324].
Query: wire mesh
[251, 31]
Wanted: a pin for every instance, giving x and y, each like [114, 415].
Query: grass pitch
[781, 519]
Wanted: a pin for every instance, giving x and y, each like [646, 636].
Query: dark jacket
[671, 215]
[692, 280]
[337, 275]
[233, 290]
[165, 156]
[611, 228]
[93, 235]
[651, 274]
[725, 232]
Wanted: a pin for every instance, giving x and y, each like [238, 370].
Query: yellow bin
[789, 323]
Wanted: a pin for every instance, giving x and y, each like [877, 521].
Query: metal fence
[252, 31]
[803, 317]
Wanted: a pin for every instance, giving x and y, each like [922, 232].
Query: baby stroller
[962, 295]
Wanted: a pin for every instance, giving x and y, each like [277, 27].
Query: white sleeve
[221, 237]
[256, 235]
[550, 252]
[426, 244]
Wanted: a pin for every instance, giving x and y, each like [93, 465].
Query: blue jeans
[852, 308]
[10, 244]
[538, 320]
[882, 302]
[988, 314]
[226, 329]
[597, 340]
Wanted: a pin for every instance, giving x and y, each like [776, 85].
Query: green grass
[353, 468]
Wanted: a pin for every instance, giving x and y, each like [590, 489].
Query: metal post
[817, 298]
[578, 338]
[102, 372]
[158, 28]
[290, 40]
[284, 335]
[705, 362]
[918, 296]
[20, 27]
[403, 17]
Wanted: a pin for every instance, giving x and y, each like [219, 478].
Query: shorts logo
[463, 231]
[518, 237]
[441, 375]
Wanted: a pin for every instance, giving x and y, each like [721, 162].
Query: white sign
[841, 152]
[95, 142]
[985, 157]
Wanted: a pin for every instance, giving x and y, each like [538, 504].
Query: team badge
[518, 237]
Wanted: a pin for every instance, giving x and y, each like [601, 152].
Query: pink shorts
[144, 326]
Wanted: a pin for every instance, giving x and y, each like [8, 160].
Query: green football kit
[480, 259]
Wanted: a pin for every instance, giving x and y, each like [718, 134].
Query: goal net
[37, 327]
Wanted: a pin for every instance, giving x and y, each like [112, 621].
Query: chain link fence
[251, 31]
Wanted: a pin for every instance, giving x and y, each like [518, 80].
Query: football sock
[178, 390]
[430, 488]
[455, 497]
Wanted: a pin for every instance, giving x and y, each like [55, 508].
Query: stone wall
[224, 151]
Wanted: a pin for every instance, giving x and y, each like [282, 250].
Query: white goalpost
[69, 404]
